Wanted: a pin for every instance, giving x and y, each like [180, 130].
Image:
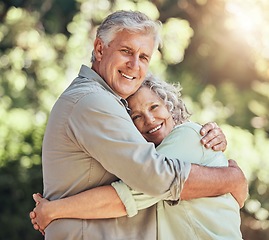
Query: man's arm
[204, 181]
[133, 152]
[96, 203]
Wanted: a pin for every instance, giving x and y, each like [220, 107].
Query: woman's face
[150, 115]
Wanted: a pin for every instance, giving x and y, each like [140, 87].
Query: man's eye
[126, 51]
[144, 58]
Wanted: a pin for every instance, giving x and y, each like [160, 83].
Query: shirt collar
[89, 73]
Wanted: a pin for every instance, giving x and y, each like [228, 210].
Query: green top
[203, 218]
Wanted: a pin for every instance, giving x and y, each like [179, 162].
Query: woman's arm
[96, 203]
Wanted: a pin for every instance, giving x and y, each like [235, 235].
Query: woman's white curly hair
[171, 96]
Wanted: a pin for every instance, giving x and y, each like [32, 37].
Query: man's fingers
[213, 125]
[218, 142]
[207, 127]
[213, 133]
[232, 163]
[215, 138]
[211, 139]
[218, 147]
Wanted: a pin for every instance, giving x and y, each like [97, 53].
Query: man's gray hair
[132, 21]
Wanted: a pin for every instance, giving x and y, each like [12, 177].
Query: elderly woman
[160, 115]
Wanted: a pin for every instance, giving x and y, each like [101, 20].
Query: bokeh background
[217, 49]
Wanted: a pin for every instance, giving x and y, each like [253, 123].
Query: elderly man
[90, 139]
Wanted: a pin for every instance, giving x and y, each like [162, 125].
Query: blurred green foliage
[217, 50]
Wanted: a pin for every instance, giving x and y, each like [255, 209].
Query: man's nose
[133, 62]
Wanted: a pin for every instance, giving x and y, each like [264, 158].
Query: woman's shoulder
[184, 133]
[188, 126]
[183, 143]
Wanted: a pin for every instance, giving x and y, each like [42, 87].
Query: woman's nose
[150, 118]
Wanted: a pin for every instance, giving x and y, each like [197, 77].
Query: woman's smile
[155, 129]
[150, 115]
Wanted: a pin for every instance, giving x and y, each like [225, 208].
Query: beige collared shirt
[90, 141]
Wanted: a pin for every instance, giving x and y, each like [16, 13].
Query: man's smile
[126, 76]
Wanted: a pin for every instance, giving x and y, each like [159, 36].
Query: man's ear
[98, 49]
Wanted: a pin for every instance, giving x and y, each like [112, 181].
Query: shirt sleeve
[100, 125]
[132, 199]
[183, 142]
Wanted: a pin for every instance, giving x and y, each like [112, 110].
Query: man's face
[124, 63]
